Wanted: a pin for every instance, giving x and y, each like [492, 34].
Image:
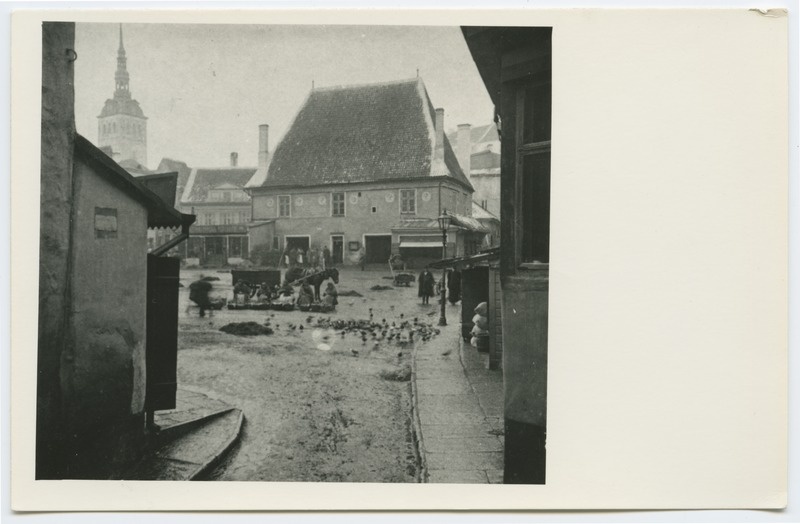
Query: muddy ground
[311, 414]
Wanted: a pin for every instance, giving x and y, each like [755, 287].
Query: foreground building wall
[58, 139]
[105, 366]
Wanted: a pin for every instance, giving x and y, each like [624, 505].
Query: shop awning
[467, 261]
[432, 244]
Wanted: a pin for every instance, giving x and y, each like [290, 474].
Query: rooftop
[361, 133]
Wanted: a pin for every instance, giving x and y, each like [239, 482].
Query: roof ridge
[224, 167]
[341, 87]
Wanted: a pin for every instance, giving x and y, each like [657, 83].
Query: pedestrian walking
[426, 282]
[198, 293]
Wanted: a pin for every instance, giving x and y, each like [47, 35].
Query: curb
[422, 475]
[217, 458]
[180, 429]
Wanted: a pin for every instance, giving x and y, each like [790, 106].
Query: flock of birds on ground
[401, 332]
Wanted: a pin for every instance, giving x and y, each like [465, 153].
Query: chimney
[439, 127]
[464, 148]
[263, 145]
[234, 159]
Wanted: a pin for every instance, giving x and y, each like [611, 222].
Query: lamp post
[444, 223]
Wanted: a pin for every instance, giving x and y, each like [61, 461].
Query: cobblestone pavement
[460, 409]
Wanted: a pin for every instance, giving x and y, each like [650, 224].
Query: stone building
[97, 319]
[121, 124]
[515, 65]
[478, 150]
[217, 197]
[366, 166]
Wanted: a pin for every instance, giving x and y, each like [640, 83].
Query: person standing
[326, 257]
[453, 286]
[362, 257]
[426, 283]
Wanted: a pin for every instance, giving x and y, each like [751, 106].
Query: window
[337, 204]
[105, 222]
[244, 217]
[195, 247]
[226, 196]
[237, 247]
[408, 201]
[533, 156]
[484, 203]
[227, 218]
[284, 206]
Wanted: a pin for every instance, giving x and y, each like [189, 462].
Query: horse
[313, 277]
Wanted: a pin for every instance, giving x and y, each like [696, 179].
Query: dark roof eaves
[437, 179]
[125, 180]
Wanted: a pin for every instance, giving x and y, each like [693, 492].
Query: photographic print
[399, 260]
[273, 253]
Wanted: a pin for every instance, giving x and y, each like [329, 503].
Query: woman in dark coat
[453, 286]
[426, 283]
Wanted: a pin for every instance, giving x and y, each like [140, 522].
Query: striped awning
[431, 244]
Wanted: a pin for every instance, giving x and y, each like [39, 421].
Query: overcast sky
[205, 89]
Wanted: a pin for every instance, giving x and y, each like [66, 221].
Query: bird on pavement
[354, 352]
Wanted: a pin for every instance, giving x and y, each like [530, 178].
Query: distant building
[478, 150]
[121, 124]
[217, 197]
[365, 166]
[488, 221]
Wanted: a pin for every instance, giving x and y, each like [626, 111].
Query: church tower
[122, 124]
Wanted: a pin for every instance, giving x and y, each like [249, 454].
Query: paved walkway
[193, 438]
[459, 410]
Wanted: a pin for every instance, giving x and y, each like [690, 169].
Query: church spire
[121, 77]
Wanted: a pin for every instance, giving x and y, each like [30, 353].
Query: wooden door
[161, 350]
[337, 255]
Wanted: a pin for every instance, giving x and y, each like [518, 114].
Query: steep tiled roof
[168, 165]
[202, 180]
[364, 133]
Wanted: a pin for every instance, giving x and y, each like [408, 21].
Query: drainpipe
[188, 220]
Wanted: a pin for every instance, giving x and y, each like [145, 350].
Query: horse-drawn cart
[255, 277]
[401, 278]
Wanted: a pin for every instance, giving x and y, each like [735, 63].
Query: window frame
[278, 206]
[413, 201]
[343, 202]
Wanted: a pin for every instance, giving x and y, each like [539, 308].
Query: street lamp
[444, 223]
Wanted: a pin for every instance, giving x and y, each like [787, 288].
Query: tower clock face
[389, 197]
[298, 201]
[426, 196]
[321, 200]
[354, 199]
[270, 202]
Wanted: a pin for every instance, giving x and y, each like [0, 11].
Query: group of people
[429, 286]
[284, 294]
[313, 257]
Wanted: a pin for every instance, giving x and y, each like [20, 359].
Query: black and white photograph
[273, 253]
[398, 260]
